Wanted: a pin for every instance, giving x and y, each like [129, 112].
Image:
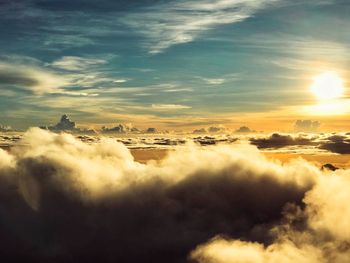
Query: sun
[327, 86]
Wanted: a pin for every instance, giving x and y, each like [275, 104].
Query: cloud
[4, 128]
[120, 128]
[59, 41]
[318, 231]
[214, 129]
[65, 124]
[244, 129]
[336, 143]
[120, 81]
[201, 130]
[170, 107]
[151, 130]
[279, 140]
[64, 200]
[31, 78]
[214, 81]
[337, 147]
[74, 63]
[168, 24]
[81, 77]
[306, 126]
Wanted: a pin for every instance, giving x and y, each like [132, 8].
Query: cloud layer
[65, 200]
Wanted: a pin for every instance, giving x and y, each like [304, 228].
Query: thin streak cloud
[181, 22]
[170, 107]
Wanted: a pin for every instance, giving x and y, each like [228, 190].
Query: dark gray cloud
[65, 124]
[337, 147]
[13, 78]
[278, 141]
[337, 143]
[151, 130]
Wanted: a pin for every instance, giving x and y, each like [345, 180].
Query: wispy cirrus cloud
[69, 75]
[30, 78]
[74, 63]
[170, 107]
[174, 23]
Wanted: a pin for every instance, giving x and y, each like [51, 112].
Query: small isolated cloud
[170, 107]
[213, 81]
[211, 129]
[151, 130]
[214, 129]
[120, 128]
[65, 124]
[244, 129]
[73, 63]
[4, 128]
[306, 126]
[201, 130]
[120, 80]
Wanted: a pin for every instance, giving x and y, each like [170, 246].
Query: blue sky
[166, 63]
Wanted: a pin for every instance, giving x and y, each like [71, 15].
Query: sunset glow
[327, 86]
[175, 131]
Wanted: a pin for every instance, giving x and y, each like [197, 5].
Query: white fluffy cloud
[94, 202]
[318, 233]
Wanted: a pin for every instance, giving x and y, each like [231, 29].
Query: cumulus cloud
[120, 128]
[318, 231]
[66, 125]
[211, 129]
[306, 126]
[244, 129]
[214, 129]
[64, 200]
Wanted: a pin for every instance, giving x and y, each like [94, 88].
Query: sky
[171, 64]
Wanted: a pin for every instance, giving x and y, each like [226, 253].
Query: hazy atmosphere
[202, 131]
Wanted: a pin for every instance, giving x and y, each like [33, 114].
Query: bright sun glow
[327, 86]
